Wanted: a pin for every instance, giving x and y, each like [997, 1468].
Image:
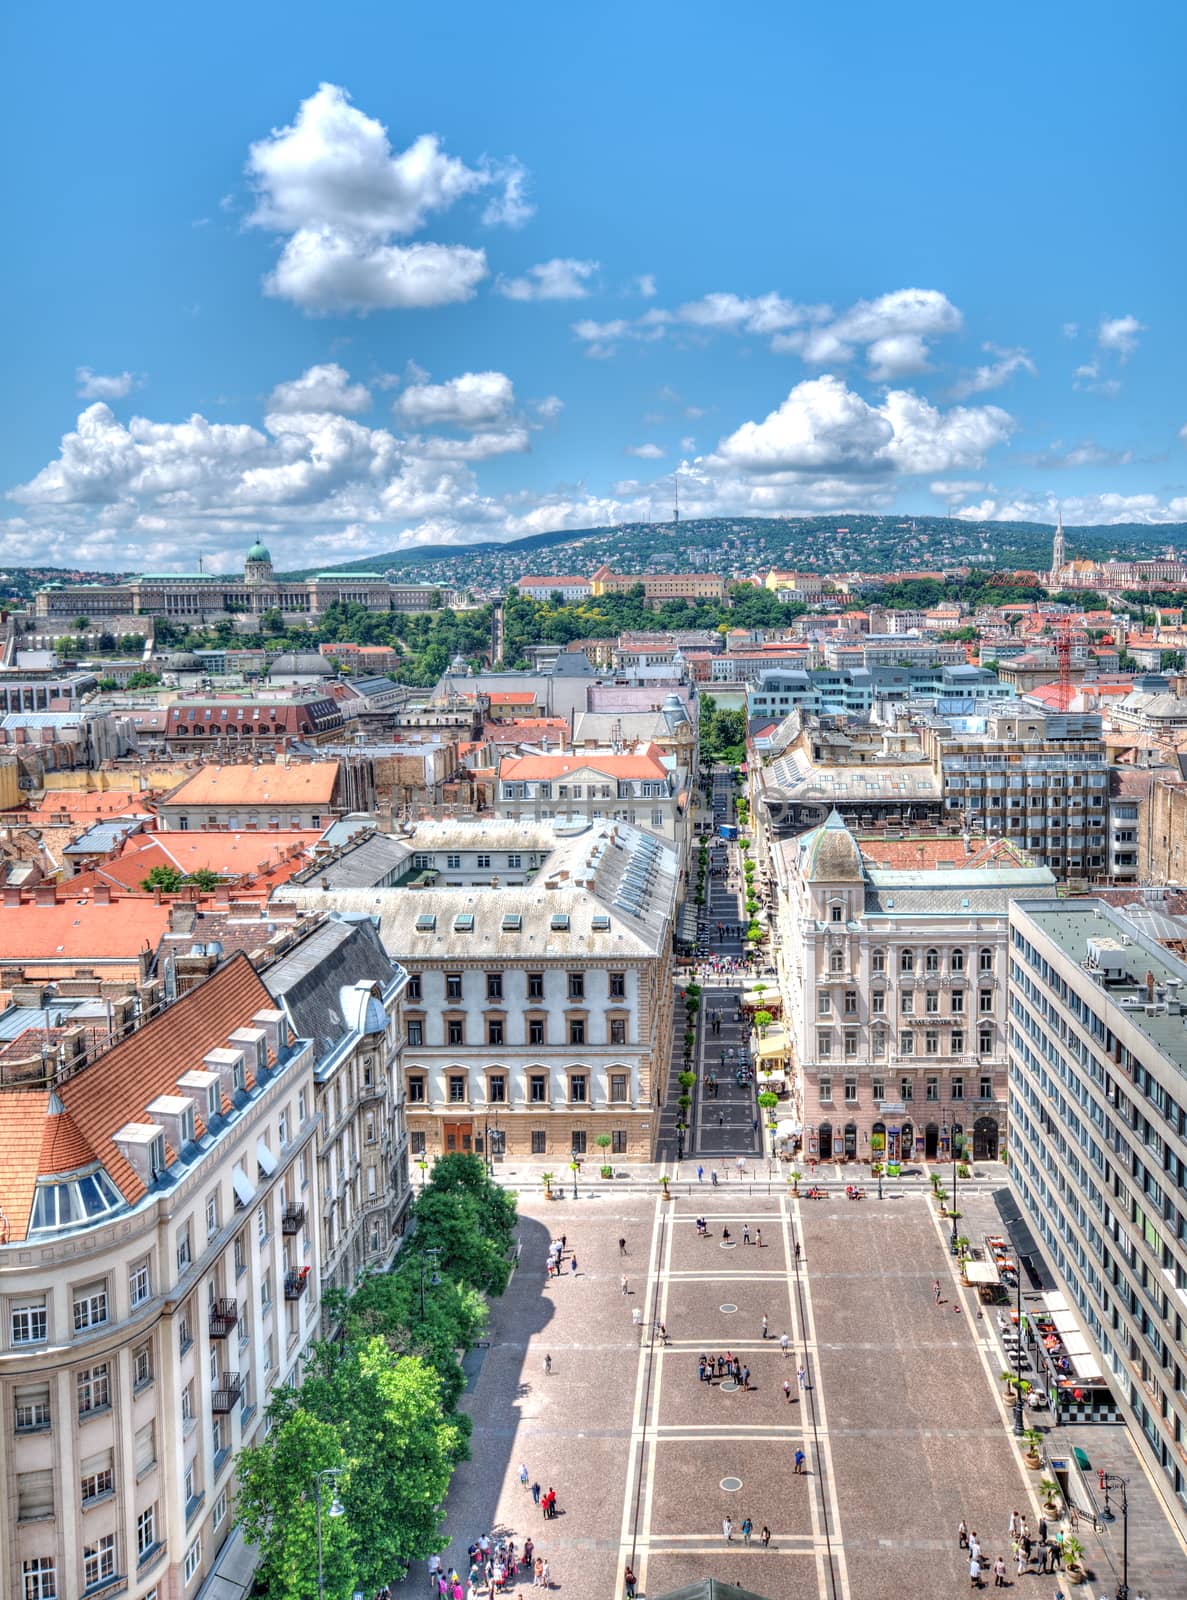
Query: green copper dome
[259, 552]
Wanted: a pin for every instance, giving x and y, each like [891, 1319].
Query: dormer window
[239, 1077]
[187, 1125]
[156, 1156]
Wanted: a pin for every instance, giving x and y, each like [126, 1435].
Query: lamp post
[336, 1509]
[953, 1212]
[574, 1167]
[1114, 1480]
[432, 1256]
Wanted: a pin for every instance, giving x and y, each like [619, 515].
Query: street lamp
[574, 1167]
[1114, 1480]
[953, 1211]
[433, 1256]
[336, 1509]
[1018, 1356]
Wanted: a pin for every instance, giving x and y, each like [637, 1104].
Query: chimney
[45, 894]
[12, 894]
[101, 894]
[1150, 988]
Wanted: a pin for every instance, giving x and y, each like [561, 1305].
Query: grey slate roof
[310, 979]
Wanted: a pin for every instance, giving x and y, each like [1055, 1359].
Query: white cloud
[1078, 511]
[511, 439]
[1183, 433]
[956, 489]
[321, 388]
[823, 427]
[323, 271]
[646, 452]
[1119, 335]
[1085, 454]
[550, 408]
[1071, 330]
[98, 386]
[511, 208]
[562, 278]
[731, 313]
[899, 355]
[1088, 377]
[992, 374]
[473, 400]
[688, 444]
[644, 285]
[331, 185]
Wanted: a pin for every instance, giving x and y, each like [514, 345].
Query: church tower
[1058, 556]
[257, 568]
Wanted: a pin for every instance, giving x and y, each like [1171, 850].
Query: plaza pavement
[903, 1424]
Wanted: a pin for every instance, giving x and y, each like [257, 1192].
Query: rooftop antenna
[676, 505]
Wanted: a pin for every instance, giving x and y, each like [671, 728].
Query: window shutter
[146, 1447]
[35, 1495]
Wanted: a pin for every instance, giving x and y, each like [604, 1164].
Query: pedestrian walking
[529, 1551]
[1013, 1525]
[745, 1233]
[536, 1493]
[727, 1529]
[758, 1238]
[764, 1326]
[1021, 1561]
[546, 1573]
[747, 1530]
[573, 1263]
[787, 1389]
[700, 1174]
[434, 1573]
[765, 1536]
[720, 1124]
[547, 1366]
[629, 1581]
[625, 1288]
[784, 1343]
[802, 1375]
[523, 1475]
[999, 1574]
[713, 1176]
[622, 1247]
[935, 1289]
[962, 1534]
[974, 1573]
[800, 1458]
[746, 1378]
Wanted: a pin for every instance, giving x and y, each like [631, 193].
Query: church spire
[1058, 556]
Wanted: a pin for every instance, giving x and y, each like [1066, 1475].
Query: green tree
[453, 1222]
[271, 621]
[143, 680]
[377, 1417]
[168, 879]
[203, 878]
[81, 624]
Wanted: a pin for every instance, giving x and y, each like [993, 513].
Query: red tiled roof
[272, 784]
[63, 1148]
[80, 930]
[647, 765]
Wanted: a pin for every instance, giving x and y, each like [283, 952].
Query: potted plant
[603, 1142]
[1073, 1554]
[546, 1180]
[1049, 1494]
[768, 1100]
[1033, 1440]
[664, 1181]
[962, 1170]
[687, 1079]
[762, 1021]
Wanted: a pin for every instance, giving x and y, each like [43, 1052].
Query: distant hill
[836, 543]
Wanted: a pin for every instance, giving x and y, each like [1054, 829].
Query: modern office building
[1098, 1148]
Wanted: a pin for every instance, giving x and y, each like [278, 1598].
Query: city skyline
[360, 288]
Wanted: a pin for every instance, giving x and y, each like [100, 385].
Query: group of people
[719, 1368]
[554, 1264]
[495, 1565]
[1037, 1553]
[746, 1529]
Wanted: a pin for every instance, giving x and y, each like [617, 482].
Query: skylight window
[560, 922]
[426, 922]
[512, 922]
[463, 922]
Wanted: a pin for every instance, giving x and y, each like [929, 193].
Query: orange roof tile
[22, 1129]
[647, 765]
[63, 1148]
[268, 785]
[80, 930]
[518, 697]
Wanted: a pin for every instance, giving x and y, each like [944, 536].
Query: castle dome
[829, 854]
[259, 552]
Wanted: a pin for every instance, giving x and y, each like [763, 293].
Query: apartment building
[642, 786]
[1039, 779]
[338, 987]
[274, 795]
[893, 984]
[1098, 1142]
[660, 586]
[156, 1262]
[539, 998]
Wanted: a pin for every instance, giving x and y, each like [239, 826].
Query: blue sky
[350, 279]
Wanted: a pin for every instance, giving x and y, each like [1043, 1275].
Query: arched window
[836, 961]
[958, 961]
[985, 960]
[878, 961]
[932, 961]
[907, 961]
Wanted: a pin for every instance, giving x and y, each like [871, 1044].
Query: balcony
[226, 1393]
[224, 1314]
[292, 1220]
[296, 1283]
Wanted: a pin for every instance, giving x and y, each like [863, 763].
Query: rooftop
[268, 785]
[81, 929]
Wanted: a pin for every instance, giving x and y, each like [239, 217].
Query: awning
[1065, 1323]
[231, 1576]
[768, 1000]
[1055, 1301]
[1075, 1344]
[265, 1158]
[768, 1048]
[245, 1189]
[788, 1130]
[982, 1272]
[1087, 1370]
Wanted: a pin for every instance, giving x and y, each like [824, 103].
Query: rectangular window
[617, 1030]
[986, 1088]
[578, 1087]
[932, 1089]
[906, 1044]
[90, 1307]
[836, 913]
[535, 986]
[957, 1002]
[576, 1030]
[850, 1002]
[413, 991]
[985, 1041]
[906, 1004]
[98, 1560]
[417, 1143]
[453, 863]
[28, 1322]
[957, 1045]
[906, 1089]
[539, 1142]
[576, 986]
[985, 1000]
[40, 1579]
[618, 986]
[535, 1030]
[145, 1448]
[220, 1510]
[146, 1531]
[416, 1033]
[139, 1283]
[483, 862]
[193, 1560]
[453, 986]
[31, 1407]
[578, 1142]
[34, 1495]
[93, 1385]
[494, 986]
[850, 1091]
[457, 1088]
[931, 1043]
[496, 1088]
[97, 1476]
[618, 1088]
[455, 1031]
[878, 1002]
[416, 1091]
[618, 1141]
[824, 1046]
[850, 1046]
[494, 1030]
[824, 1003]
[878, 961]
[538, 1089]
[184, 1252]
[958, 1088]
[879, 1090]
[931, 1002]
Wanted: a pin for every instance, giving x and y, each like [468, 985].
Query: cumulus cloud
[1119, 335]
[646, 452]
[550, 408]
[899, 355]
[823, 427]
[100, 386]
[644, 285]
[1088, 376]
[732, 313]
[601, 338]
[1078, 511]
[895, 330]
[321, 388]
[992, 374]
[562, 278]
[473, 400]
[332, 187]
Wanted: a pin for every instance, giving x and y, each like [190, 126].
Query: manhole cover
[731, 1485]
[728, 1244]
[727, 1308]
[729, 1384]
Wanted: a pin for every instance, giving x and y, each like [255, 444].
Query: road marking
[635, 1449]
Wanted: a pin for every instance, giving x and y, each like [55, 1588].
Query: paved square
[902, 1426]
